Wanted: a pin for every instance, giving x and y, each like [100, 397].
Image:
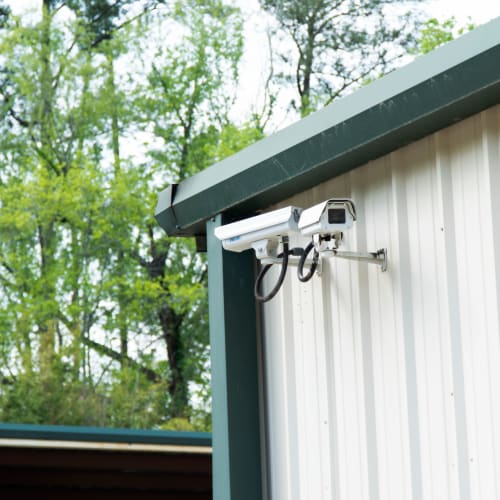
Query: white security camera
[268, 234]
[328, 217]
[263, 232]
[325, 223]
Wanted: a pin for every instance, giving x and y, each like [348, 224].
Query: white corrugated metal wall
[387, 385]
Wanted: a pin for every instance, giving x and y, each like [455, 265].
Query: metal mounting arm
[379, 257]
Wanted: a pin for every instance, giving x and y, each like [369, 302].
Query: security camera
[325, 223]
[268, 234]
[263, 232]
[328, 217]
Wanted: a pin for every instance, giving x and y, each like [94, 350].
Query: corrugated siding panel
[387, 385]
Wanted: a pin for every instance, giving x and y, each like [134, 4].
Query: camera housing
[268, 234]
[262, 232]
[329, 217]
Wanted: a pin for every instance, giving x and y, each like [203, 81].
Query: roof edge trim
[103, 435]
[436, 90]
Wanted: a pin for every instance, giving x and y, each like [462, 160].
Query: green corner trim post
[235, 374]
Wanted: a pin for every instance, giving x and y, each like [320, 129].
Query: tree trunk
[177, 385]
[46, 228]
[307, 68]
[171, 327]
[115, 128]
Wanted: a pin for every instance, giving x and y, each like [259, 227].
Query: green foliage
[103, 319]
[178, 424]
[435, 33]
[133, 401]
[57, 398]
[338, 44]
[187, 99]
[232, 139]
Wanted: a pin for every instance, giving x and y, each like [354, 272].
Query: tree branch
[150, 374]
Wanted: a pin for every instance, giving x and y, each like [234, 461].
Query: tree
[435, 33]
[186, 100]
[102, 317]
[57, 288]
[339, 44]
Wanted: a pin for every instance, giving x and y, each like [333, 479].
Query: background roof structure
[82, 462]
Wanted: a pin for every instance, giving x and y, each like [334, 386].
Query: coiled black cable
[302, 260]
[284, 265]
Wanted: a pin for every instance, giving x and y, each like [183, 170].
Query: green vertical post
[234, 356]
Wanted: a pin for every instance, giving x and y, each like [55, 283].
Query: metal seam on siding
[369, 391]
[459, 481]
[490, 288]
[451, 270]
[330, 396]
[408, 333]
[491, 145]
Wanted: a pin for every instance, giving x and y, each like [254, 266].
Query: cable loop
[302, 260]
[281, 278]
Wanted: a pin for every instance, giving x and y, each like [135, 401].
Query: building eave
[436, 90]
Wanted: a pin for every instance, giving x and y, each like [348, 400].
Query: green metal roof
[447, 85]
[102, 434]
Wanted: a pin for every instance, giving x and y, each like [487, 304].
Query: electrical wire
[284, 265]
[296, 251]
[302, 260]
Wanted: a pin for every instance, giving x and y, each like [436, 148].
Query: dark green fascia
[236, 456]
[447, 85]
[103, 435]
